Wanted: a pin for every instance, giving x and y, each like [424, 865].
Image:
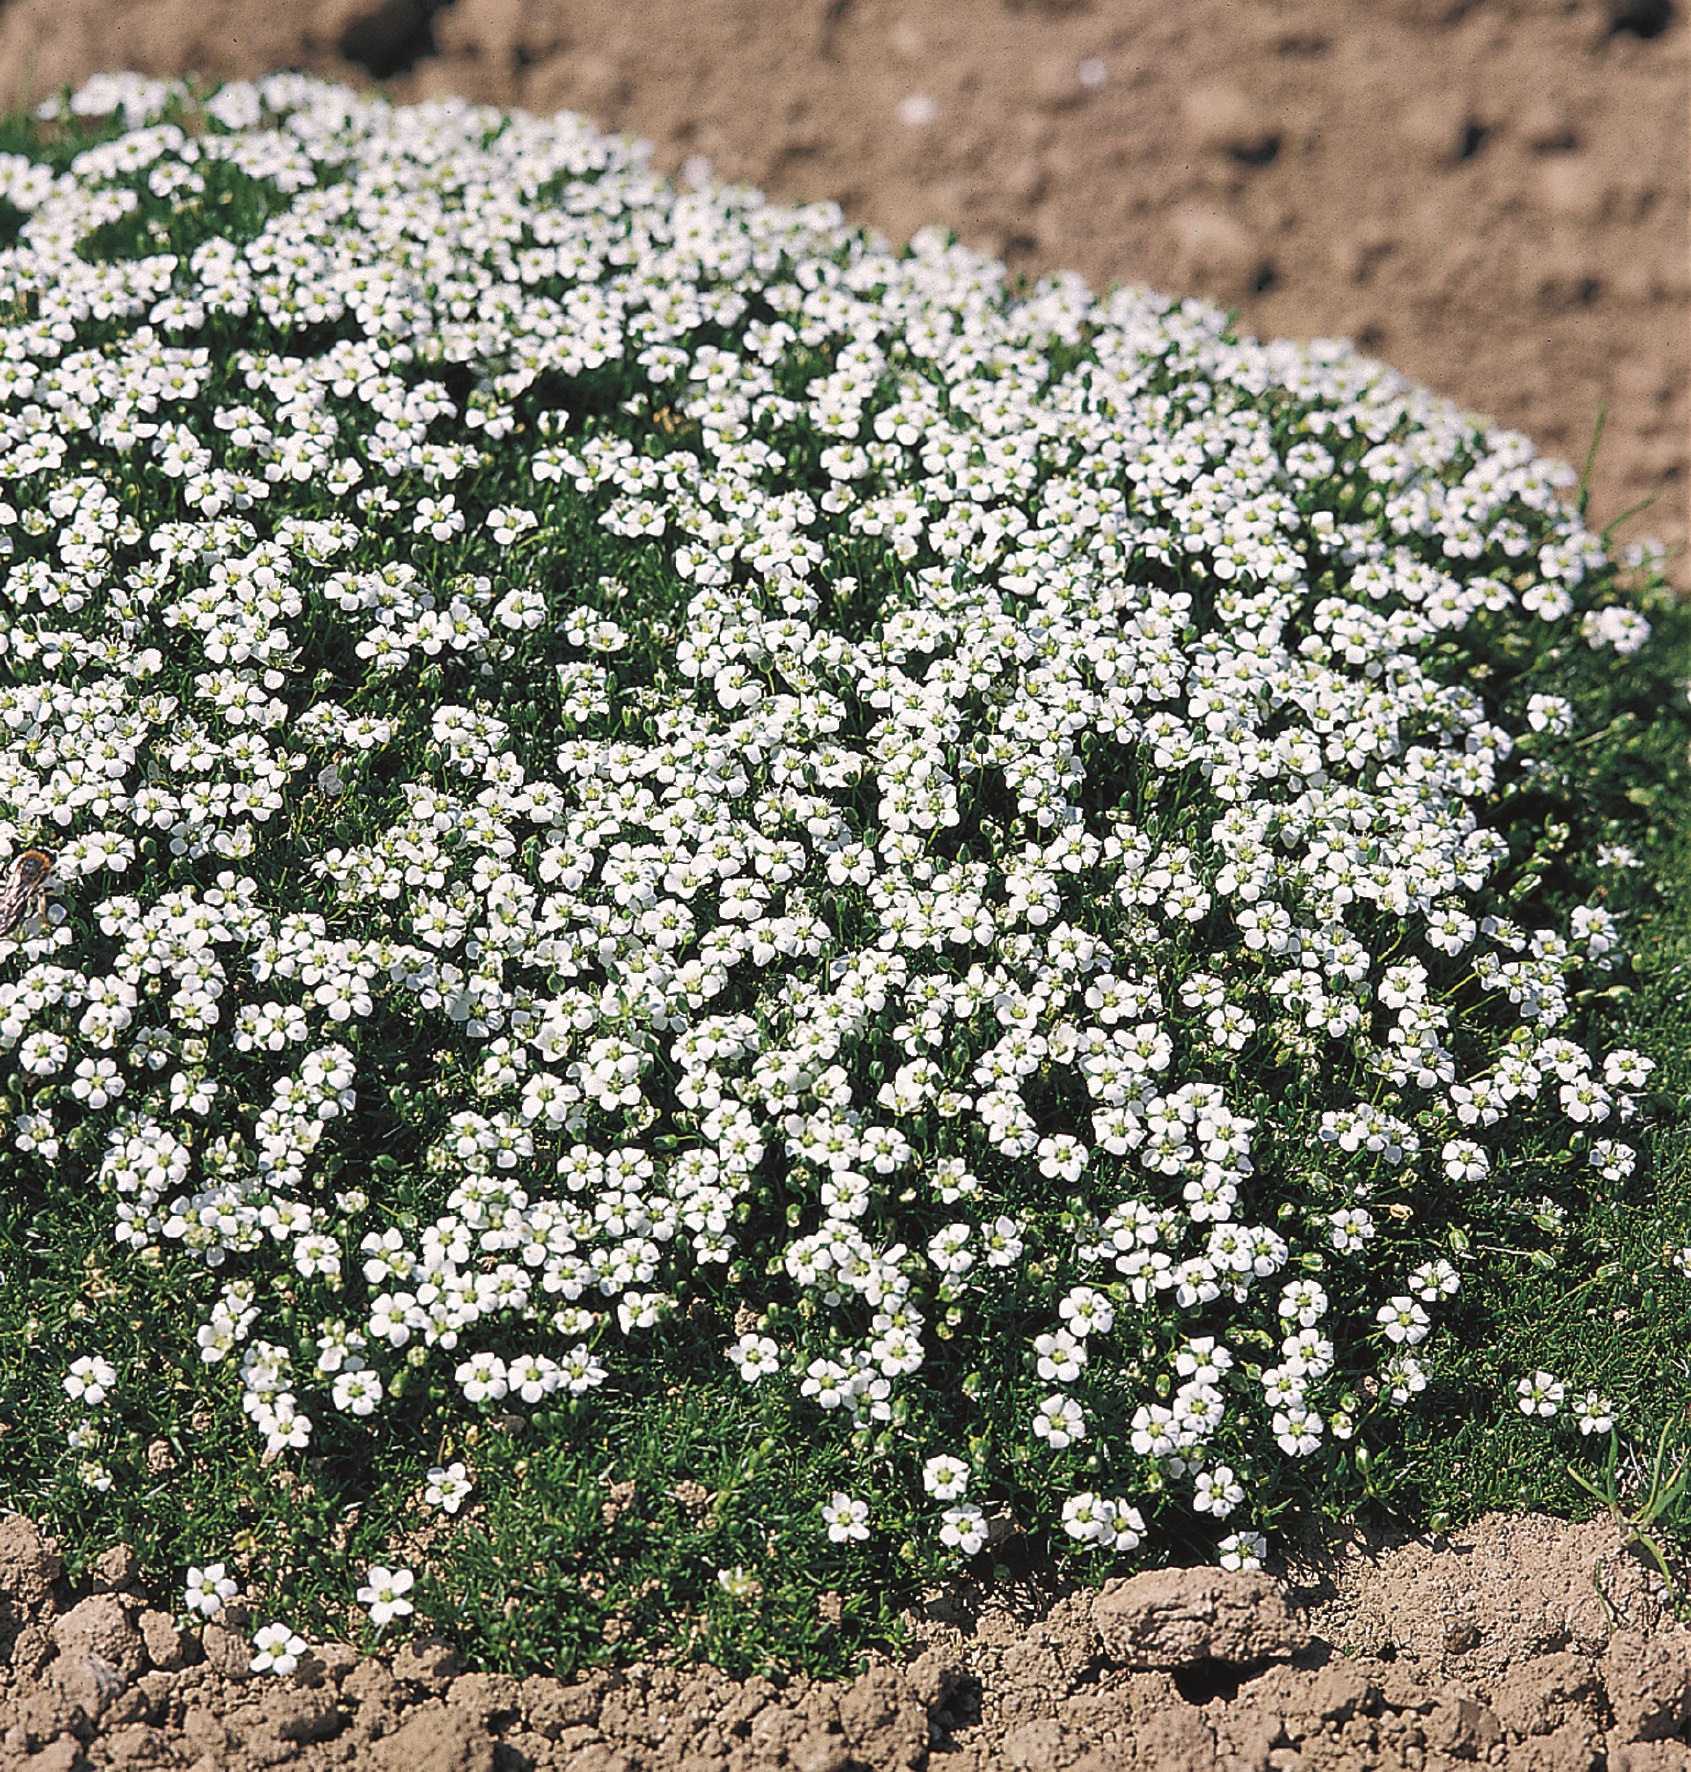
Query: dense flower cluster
[1004, 881]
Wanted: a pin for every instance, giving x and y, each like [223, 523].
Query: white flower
[755, 1357]
[1547, 602]
[948, 1249]
[1062, 1158]
[1434, 1280]
[1465, 1161]
[357, 1392]
[1552, 713]
[89, 1379]
[1087, 1312]
[1585, 1100]
[1107, 1524]
[581, 1369]
[845, 1517]
[208, 1589]
[439, 518]
[507, 522]
[1217, 1492]
[1243, 1550]
[1404, 1377]
[483, 1378]
[1540, 1394]
[1124, 1526]
[1352, 1228]
[1083, 1517]
[1060, 1357]
[1297, 1430]
[1303, 1302]
[944, 1477]
[448, 1486]
[1059, 1421]
[278, 1649]
[1623, 629]
[1594, 1413]
[1403, 1320]
[532, 1377]
[384, 1592]
[964, 1527]
[1003, 1242]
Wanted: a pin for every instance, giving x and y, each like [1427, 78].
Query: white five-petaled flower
[208, 1589]
[384, 1592]
[755, 1357]
[1540, 1393]
[1594, 1413]
[278, 1650]
[1059, 1421]
[944, 1477]
[89, 1379]
[1403, 1320]
[1083, 1517]
[447, 1487]
[1217, 1492]
[1060, 1357]
[964, 1528]
[846, 1518]
[1243, 1550]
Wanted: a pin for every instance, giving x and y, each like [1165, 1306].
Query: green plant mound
[735, 913]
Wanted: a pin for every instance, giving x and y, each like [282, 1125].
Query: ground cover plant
[735, 917]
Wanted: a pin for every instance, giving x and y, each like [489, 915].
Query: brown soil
[1523, 1642]
[1493, 195]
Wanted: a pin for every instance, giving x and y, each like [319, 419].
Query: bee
[25, 889]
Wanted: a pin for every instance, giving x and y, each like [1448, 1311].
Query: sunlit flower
[278, 1650]
[448, 1487]
[383, 1593]
[208, 1589]
[846, 1518]
[964, 1528]
[1059, 1421]
[944, 1477]
[1540, 1393]
[1243, 1550]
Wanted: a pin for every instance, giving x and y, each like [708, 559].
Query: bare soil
[1523, 1642]
[1492, 195]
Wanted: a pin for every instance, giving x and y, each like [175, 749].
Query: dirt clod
[1648, 1684]
[435, 1739]
[98, 1629]
[1171, 1618]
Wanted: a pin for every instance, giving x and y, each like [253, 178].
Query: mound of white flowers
[636, 772]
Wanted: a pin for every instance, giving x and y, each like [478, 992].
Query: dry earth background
[1492, 195]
